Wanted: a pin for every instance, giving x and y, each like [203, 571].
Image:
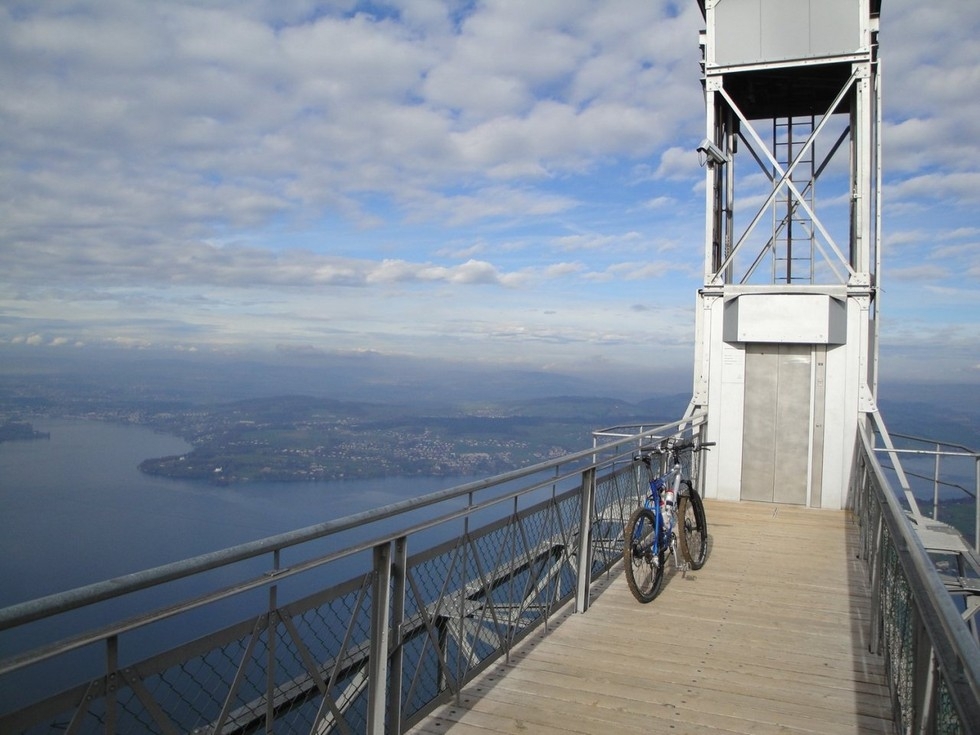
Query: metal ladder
[792, 229]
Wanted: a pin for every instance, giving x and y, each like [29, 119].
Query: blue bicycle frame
[663, 526]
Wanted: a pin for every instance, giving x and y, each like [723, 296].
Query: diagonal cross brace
[772, 180]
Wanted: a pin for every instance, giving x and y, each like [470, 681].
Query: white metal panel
[836, 26]
[789, 318]
[729, 394]
[819, 423]
[784, 29]
[726, 370]
[836, 438]
[737, 31]
[757, 31]
[851, 383]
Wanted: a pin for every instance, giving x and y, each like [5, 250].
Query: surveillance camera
[712, 153]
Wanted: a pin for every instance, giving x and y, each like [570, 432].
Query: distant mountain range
[196, 378]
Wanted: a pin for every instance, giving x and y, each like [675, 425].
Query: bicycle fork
[671, 507]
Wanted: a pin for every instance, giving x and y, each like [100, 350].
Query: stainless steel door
[776, 427]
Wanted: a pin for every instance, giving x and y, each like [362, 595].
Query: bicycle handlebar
[669, 446]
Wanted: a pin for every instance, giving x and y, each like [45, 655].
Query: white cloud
[560, 270]
[959, 188]
[919, 273]
[660, 203]
[496, 202]
[678, 164]
[398, 271]
[587, 242]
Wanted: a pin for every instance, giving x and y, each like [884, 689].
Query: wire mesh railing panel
[476, 596]
[234, 680]
[617, 495]
[931, 660]
[329, 646]
[423, 677]
[193, 692]
[947, 721]
[897, 624]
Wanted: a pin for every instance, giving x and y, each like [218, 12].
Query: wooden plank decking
[771, 636]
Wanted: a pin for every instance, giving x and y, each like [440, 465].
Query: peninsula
[299, 438]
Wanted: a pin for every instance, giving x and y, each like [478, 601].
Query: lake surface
[75, 509]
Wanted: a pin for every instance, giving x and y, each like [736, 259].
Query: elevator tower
[786, 344]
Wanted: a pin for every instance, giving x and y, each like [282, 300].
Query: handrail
[930, 672]
[964, 453]
[964, 450]
[903, 481]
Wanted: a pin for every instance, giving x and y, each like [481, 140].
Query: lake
[75, 509]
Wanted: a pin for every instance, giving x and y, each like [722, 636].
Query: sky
[503, 182]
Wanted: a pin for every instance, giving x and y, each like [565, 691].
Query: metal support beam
[112, 685]
[897, 464]
[399, 565]
[585, 541]
[378, 665]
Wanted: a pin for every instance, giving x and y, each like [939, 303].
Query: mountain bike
[656, 529]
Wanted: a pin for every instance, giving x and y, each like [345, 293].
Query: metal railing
[261, 637]
[966, 470]
[931, 657]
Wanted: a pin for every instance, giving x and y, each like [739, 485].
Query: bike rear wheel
[644, 567]
[693, 528]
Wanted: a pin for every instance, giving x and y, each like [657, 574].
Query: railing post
[111, 685]
[399, 571]
[877, 564]
[925, 682]
[378, 663]
[272, 630]
[585, 541]
[976, 504]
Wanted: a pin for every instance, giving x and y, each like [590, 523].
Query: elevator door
[776, 428]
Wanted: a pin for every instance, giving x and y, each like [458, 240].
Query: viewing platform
[828, 602]
[770, 636]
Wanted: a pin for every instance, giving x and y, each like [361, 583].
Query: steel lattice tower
[786, 356]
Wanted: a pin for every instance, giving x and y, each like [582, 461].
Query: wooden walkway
[770, 636]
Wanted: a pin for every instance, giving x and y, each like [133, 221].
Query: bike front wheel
[693, 528]
[644, 566]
